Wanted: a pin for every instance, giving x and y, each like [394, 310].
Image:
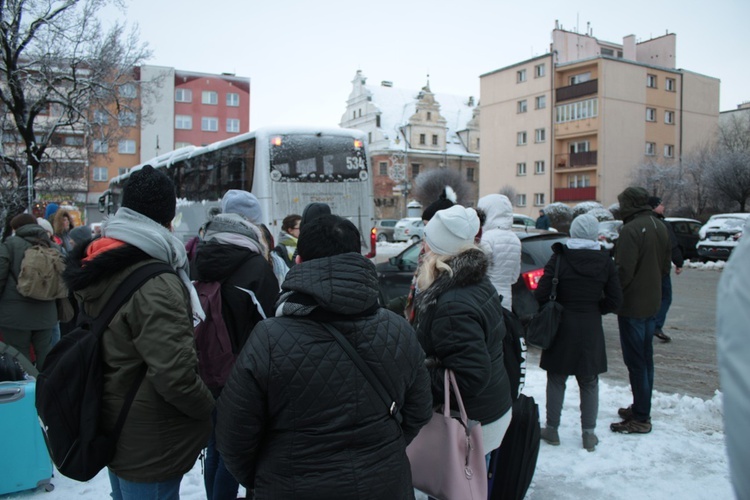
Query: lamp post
[30, 187]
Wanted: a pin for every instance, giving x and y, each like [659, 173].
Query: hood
[34, 234]
[499, 211]
[633, 200]
[217, 261]
[589, 263]
[345, 284]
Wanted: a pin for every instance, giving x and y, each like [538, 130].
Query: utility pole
[30, 188]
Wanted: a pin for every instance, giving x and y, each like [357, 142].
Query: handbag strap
[449, 381]
[555, 281]
[393, 409]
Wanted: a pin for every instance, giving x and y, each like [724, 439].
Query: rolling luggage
[24, 460]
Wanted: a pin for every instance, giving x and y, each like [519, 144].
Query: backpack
[514, 353]
[70, 387]
[40, 276]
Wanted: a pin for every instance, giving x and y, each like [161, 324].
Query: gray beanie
[81, 235]
[451, 230]
[585, 227]
[237, 201]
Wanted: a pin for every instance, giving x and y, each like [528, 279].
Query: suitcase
[24, 461]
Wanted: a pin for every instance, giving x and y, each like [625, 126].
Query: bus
[286, 168]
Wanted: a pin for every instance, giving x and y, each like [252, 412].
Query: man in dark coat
[297, 418]
[642, 257]
[542, 221]
[666, 281]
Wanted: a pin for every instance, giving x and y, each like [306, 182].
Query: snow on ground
[683, 457]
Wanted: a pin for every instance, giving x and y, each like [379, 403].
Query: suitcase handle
[10, 393]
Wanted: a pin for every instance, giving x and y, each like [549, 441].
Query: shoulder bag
[447, 456]
[542, 328]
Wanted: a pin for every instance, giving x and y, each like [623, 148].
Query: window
[100, 147]
[669, 85]
[470, 174]
[233, 100]
[414, 169]
[128, 90]
[650, 148]
[359, 113]
[520, 76]
[538, 199]
[540, 135]
[539, 70]
[579, 180]
[100, 174]
[651, 81]
[73, 140]
[383, 168]
[183, 122]
[369, 137]
[422, 139]
[578, 147]
[183, 95]
[122, 170]
[178, 145]
[539, 167]
[210, 124]
[477, 143]
[126, 147]
[650, 114]
[541, 102]
[669, 117]
[521, 139]
[520, 169]
[101, 117]
[126, 119]
[668, 151]
[608, 52]
[577, 111]
[233, 125]
[210, 97]
[520, 200]
[580, 78]
[377, 121]
[429, 116]
[521, 106]
[434, 140]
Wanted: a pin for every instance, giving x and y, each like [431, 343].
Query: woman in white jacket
[502, 242]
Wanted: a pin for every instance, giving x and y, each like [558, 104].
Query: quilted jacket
[297, 419]
[498, 237]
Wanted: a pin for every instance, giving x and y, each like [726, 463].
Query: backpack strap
[127, 288]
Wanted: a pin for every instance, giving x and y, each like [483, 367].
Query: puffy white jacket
[502, 242]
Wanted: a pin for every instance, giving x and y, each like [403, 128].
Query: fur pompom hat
[447, 199]
[451, 230]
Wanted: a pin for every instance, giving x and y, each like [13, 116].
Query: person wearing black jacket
[297, 418]
[588, 287]
[666, 281]
[232, 253]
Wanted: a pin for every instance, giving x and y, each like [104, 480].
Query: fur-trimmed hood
[469, 267]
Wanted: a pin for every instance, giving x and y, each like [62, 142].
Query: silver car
[409, 229]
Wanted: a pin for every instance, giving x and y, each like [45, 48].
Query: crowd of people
[297, 418]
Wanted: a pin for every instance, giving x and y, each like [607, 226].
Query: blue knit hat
[237, 201]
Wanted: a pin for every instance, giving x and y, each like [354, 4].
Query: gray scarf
[157, 241]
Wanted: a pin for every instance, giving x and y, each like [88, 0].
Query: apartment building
[411, 132]
[573, 124]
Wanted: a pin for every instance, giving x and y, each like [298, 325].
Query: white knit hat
[585, 227]
[452, 230]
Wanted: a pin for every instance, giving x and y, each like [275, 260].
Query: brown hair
[290, 221]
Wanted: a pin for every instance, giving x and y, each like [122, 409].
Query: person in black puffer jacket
[297, 418]
[459, 321]
[588, 287]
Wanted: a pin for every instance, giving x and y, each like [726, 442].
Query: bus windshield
[317, 158]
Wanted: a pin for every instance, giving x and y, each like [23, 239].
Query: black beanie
[151, 193]
[654, 201]
[447, 199]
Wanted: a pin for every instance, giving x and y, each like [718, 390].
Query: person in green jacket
[642, 257]
[169, 421]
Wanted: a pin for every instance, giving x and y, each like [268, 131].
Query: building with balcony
[573, 124]
[410, 132]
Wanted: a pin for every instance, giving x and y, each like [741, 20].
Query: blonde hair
[432, 265]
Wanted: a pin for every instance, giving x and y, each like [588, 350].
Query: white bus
[286, 168]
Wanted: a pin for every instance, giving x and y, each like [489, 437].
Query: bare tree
[730, 176]
[510, 192]
[429, 185]
[58, 68]
[660, 178]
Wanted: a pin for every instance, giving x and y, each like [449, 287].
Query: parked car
[609, 231]
[409, 229]
[720, 235]
[686, 231]
[384, 229]
[523, 221]
[395, 275]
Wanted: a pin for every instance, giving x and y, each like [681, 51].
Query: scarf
[158, 242]
[582, 244]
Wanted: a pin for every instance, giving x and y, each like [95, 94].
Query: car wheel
[382, 237]
[415, 239]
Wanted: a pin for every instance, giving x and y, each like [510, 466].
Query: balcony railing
[572, 160]
[575, 194]
[577, 90]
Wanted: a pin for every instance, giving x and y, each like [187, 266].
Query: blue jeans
[219, 483]
[637, 342]
[666, 301]
[55, 336]
[129, 490]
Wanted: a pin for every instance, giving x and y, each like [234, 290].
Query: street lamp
[30, 186]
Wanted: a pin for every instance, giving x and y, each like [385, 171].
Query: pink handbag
[447, 457]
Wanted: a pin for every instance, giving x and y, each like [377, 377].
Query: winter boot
[550, 435]
[589, 440]
[631, 426]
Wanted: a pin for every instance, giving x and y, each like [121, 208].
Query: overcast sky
[301, 55]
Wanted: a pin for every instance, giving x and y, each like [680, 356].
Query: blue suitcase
[24, 461]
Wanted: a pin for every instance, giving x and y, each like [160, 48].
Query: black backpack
[69, 389]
